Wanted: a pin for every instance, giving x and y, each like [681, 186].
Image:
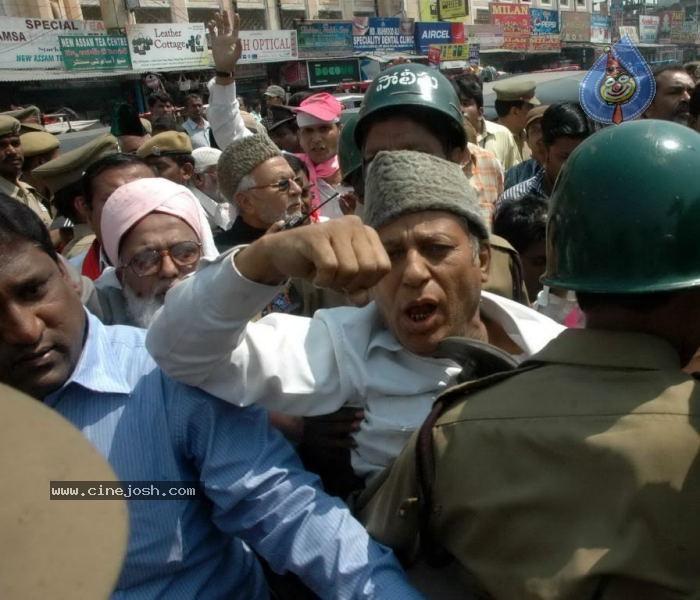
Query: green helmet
[415, 86]
[625, 212]
[348, 152]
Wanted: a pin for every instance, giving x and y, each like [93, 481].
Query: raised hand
[340, 254]
[225, 45]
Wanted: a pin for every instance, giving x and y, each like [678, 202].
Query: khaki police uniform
[26, 194]
[578, 478]
[516, 91]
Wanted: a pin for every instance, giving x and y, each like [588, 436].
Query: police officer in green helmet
[577, 475]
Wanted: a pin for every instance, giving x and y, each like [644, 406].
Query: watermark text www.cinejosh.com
[130, 490]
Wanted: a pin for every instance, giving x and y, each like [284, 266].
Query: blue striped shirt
[151, 428]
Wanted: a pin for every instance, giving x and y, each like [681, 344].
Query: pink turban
[133, 201]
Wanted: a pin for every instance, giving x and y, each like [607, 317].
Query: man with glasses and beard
[154, 234]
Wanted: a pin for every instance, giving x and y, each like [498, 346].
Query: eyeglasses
[282, 185]
[148, 262]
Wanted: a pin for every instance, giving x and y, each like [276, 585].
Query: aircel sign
[428, 34]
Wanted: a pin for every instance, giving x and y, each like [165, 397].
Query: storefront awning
[14, 75]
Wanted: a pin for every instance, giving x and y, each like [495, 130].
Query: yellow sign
[452, 9]
[452, 51]
[428, 10]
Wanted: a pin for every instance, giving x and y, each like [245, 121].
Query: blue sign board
[544, 22]
[372, 34]
[318, 40]
[432, 33]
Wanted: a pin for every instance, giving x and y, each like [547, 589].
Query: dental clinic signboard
[374, 34]
[167, 46]
[33, 43]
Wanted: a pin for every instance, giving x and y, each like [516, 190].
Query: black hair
[503, 106]
[662, 68]
[156, 97]
[113, 161]
[19, 222]
[182, 159]
[164, 123]
[298, 97]
[295, 162]
[64, 199]
[565, 119]
[694, 104]
[192, 97]
[522, 223]
[449, 132]
[469, 87]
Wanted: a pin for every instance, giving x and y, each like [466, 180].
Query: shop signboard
[427, 34]
[326, 73]
[601, 26]
[428, 11]
[374, 34]
[485, 36]
[168, 46]
[33, 43]
[452, 9]
[319, 39]
[677, 30]
[450, 52]
[265, 46]
[575, 26]
[544, 22]
[648, 29]
[544, 30]
[631, 31]
[515, 19]
[95, 52]
[664, 34]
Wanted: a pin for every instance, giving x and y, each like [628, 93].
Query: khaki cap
[168, 142]
[513, 91]
[69, 167]
[28, 112]
[62, 549]
[38, 142]
[9, 126]
[28, 126]
[535, 114]
[275, 91]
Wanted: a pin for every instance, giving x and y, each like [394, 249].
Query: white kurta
[313, 366]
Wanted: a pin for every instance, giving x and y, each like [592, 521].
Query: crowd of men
[482, 337]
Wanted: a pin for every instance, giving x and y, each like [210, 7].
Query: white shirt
[199, 135]
[224, 114]
[312, 366]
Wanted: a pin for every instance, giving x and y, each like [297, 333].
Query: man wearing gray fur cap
[418, 269]
[255, 177]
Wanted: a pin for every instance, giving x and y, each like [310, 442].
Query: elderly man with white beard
[154, 233]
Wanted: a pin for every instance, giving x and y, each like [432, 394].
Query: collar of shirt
[191, 125]
[9, 188]
[613, 349]
[97, 370]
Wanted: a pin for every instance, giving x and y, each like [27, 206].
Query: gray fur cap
[405, 181]
[240, 158]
